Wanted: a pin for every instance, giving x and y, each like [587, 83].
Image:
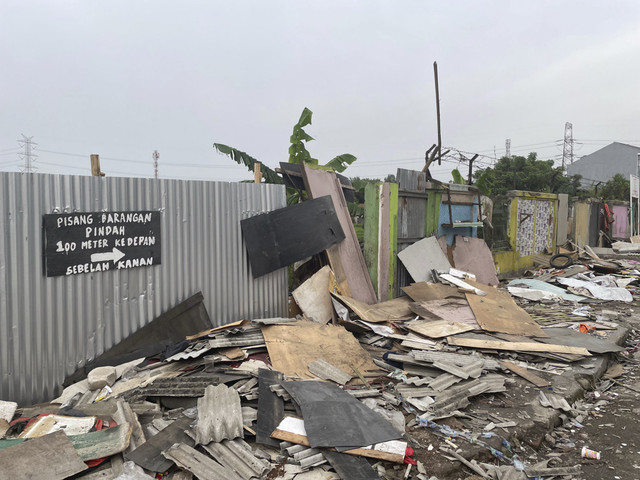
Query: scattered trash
[587, 453]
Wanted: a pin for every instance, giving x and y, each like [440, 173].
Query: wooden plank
[438, 328]
[293, 346]
[50, 456]
[526, 374]
[319, 183]
[378, 451]
[286, 235]
[381, 236]
[516, 346]
[497, 312]
[396, 310]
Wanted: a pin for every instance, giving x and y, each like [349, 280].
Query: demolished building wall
[51, 325]
[533, 221]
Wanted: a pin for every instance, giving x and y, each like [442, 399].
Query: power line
[141, 162]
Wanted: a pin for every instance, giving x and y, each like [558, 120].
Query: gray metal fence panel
[49, 326]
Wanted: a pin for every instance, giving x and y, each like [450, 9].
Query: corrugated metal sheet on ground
[237, 455]
[240, 340]
[455, 358]
[51, 326]
[201, 465]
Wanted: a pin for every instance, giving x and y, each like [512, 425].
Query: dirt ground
[611, 426]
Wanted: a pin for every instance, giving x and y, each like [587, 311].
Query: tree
[615, 189]
[525, 173]
[298, 153]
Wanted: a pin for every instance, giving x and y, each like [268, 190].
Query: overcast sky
[123, 78]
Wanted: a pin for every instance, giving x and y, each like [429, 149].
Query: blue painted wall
[463, 213]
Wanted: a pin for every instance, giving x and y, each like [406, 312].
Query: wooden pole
[257, 174]
[95, 166]
[435, 75]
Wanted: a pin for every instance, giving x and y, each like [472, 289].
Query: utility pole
[156, 156]
[567, 146]
[469, 181]
[435, 76]
[507, 148]
[27, 154]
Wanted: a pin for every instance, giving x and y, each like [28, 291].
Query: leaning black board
[284, 236]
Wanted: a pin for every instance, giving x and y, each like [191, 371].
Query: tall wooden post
[95, 166]
[257, 174]
[435, 75]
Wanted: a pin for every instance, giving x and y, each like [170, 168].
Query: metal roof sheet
[219, 415]
[237, 455]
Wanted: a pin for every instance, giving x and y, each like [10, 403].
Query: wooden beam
[95, 166]
[526, 374]
[517, 346]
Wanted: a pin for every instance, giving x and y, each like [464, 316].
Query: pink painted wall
[620, 226]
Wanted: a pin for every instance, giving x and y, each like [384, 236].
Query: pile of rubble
[344, 390]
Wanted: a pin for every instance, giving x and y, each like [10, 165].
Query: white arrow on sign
[114, 255]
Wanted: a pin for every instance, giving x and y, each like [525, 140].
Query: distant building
[603, 164]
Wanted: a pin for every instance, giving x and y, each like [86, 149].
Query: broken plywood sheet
[346, 259]
[51, 456]
[424, 292]
[219, 415]
[284, 236]
[422, 257]
[396, 310]
[516, 346]
[295, 345]
[451, 309]
[473, 255]
[497, 312]
[437, 328]
[313, 297]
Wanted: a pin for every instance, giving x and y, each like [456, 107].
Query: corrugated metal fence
[49, 326]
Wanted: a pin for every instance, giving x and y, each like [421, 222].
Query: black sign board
[87, 242]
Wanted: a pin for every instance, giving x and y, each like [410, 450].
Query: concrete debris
[101, 377]
[239, 401]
